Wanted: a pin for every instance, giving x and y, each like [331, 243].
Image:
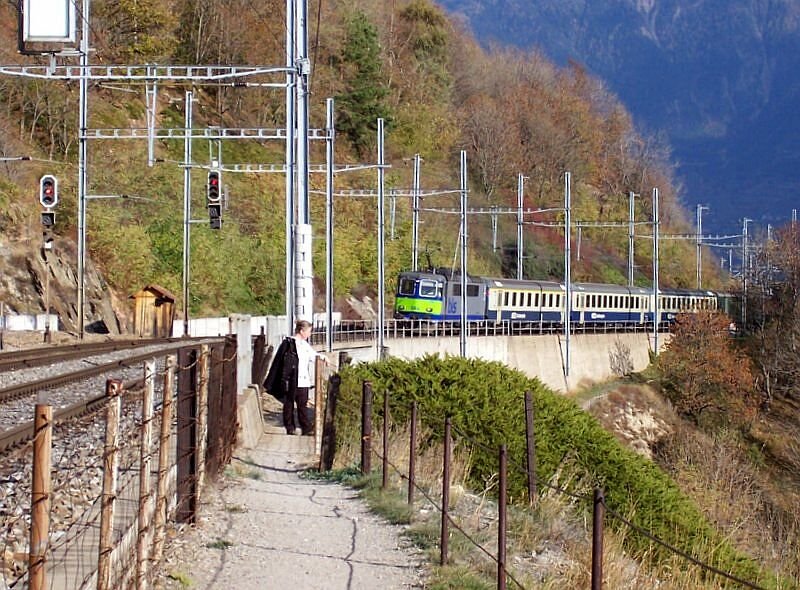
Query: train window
[528, 300]
[549, 300]
[514, 299]
[472, 290]
[505, 298]
[558, 301]
[428, 288]
[406, 287]
[536, 300]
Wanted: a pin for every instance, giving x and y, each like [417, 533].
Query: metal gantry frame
[296, 71]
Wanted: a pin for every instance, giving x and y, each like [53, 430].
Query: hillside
[405, 61]
[718, 78]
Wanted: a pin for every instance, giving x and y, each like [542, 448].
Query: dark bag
[282, 375]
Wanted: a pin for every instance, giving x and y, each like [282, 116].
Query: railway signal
[214, 199]
[48, 191]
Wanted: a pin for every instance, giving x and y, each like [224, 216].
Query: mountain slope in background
[720, 77]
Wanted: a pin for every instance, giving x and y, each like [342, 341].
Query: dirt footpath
[264, 527]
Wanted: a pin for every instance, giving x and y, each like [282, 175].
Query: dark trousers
[297, 397]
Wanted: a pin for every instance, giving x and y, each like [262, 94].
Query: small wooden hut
[154, 312]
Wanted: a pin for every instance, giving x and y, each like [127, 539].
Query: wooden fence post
[186, 509]
[40, 496]
[412, 453]
[445, 537]
[160, 519]
[530, 443]
[328, 449]
[385, 462]
[597, 540]
[366, 428]
[109, 498]
[319, 370]
[502, 519]
[202, 415]
[146, 450]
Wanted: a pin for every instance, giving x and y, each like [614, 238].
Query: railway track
[37, 357]
[24, 431]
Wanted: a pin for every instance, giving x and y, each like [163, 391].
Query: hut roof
[158, 290]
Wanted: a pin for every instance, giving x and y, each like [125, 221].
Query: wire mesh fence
[104, 487]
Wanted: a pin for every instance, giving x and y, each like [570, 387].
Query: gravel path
[263, 527]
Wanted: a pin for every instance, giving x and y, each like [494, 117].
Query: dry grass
[549, 545]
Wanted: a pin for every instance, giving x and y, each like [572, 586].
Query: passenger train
[436, 295]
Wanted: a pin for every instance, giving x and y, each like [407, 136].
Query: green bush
[485, 403]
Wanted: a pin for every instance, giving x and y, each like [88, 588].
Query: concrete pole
[187, 208]
[381, 254]
[303, 71]
[329, 178]
[304, 270]
[464, 327]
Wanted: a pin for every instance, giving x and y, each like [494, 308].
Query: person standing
[292, 375]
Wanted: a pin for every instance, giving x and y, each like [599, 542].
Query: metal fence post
[445, 494]
[40, 496]
[597, 540]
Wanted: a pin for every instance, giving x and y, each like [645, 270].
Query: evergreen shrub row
[485, 401]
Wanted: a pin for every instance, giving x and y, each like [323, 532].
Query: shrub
[485, 403]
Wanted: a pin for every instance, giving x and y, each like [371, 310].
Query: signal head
[213, 187]
[48, 191]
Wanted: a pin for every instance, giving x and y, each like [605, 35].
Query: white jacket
[306, 357]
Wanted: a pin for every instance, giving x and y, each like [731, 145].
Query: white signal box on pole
[48, 21]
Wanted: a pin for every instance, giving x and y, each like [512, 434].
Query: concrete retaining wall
[536, 356]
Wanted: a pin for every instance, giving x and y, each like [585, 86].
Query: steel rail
[23, 433]
[36, 357]
[22, 389]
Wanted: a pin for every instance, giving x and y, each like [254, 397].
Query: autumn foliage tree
[704, 374]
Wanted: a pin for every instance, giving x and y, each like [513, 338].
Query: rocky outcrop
[31, 277]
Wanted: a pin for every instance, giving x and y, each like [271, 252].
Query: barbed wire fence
[497, 554]
[102, 519]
